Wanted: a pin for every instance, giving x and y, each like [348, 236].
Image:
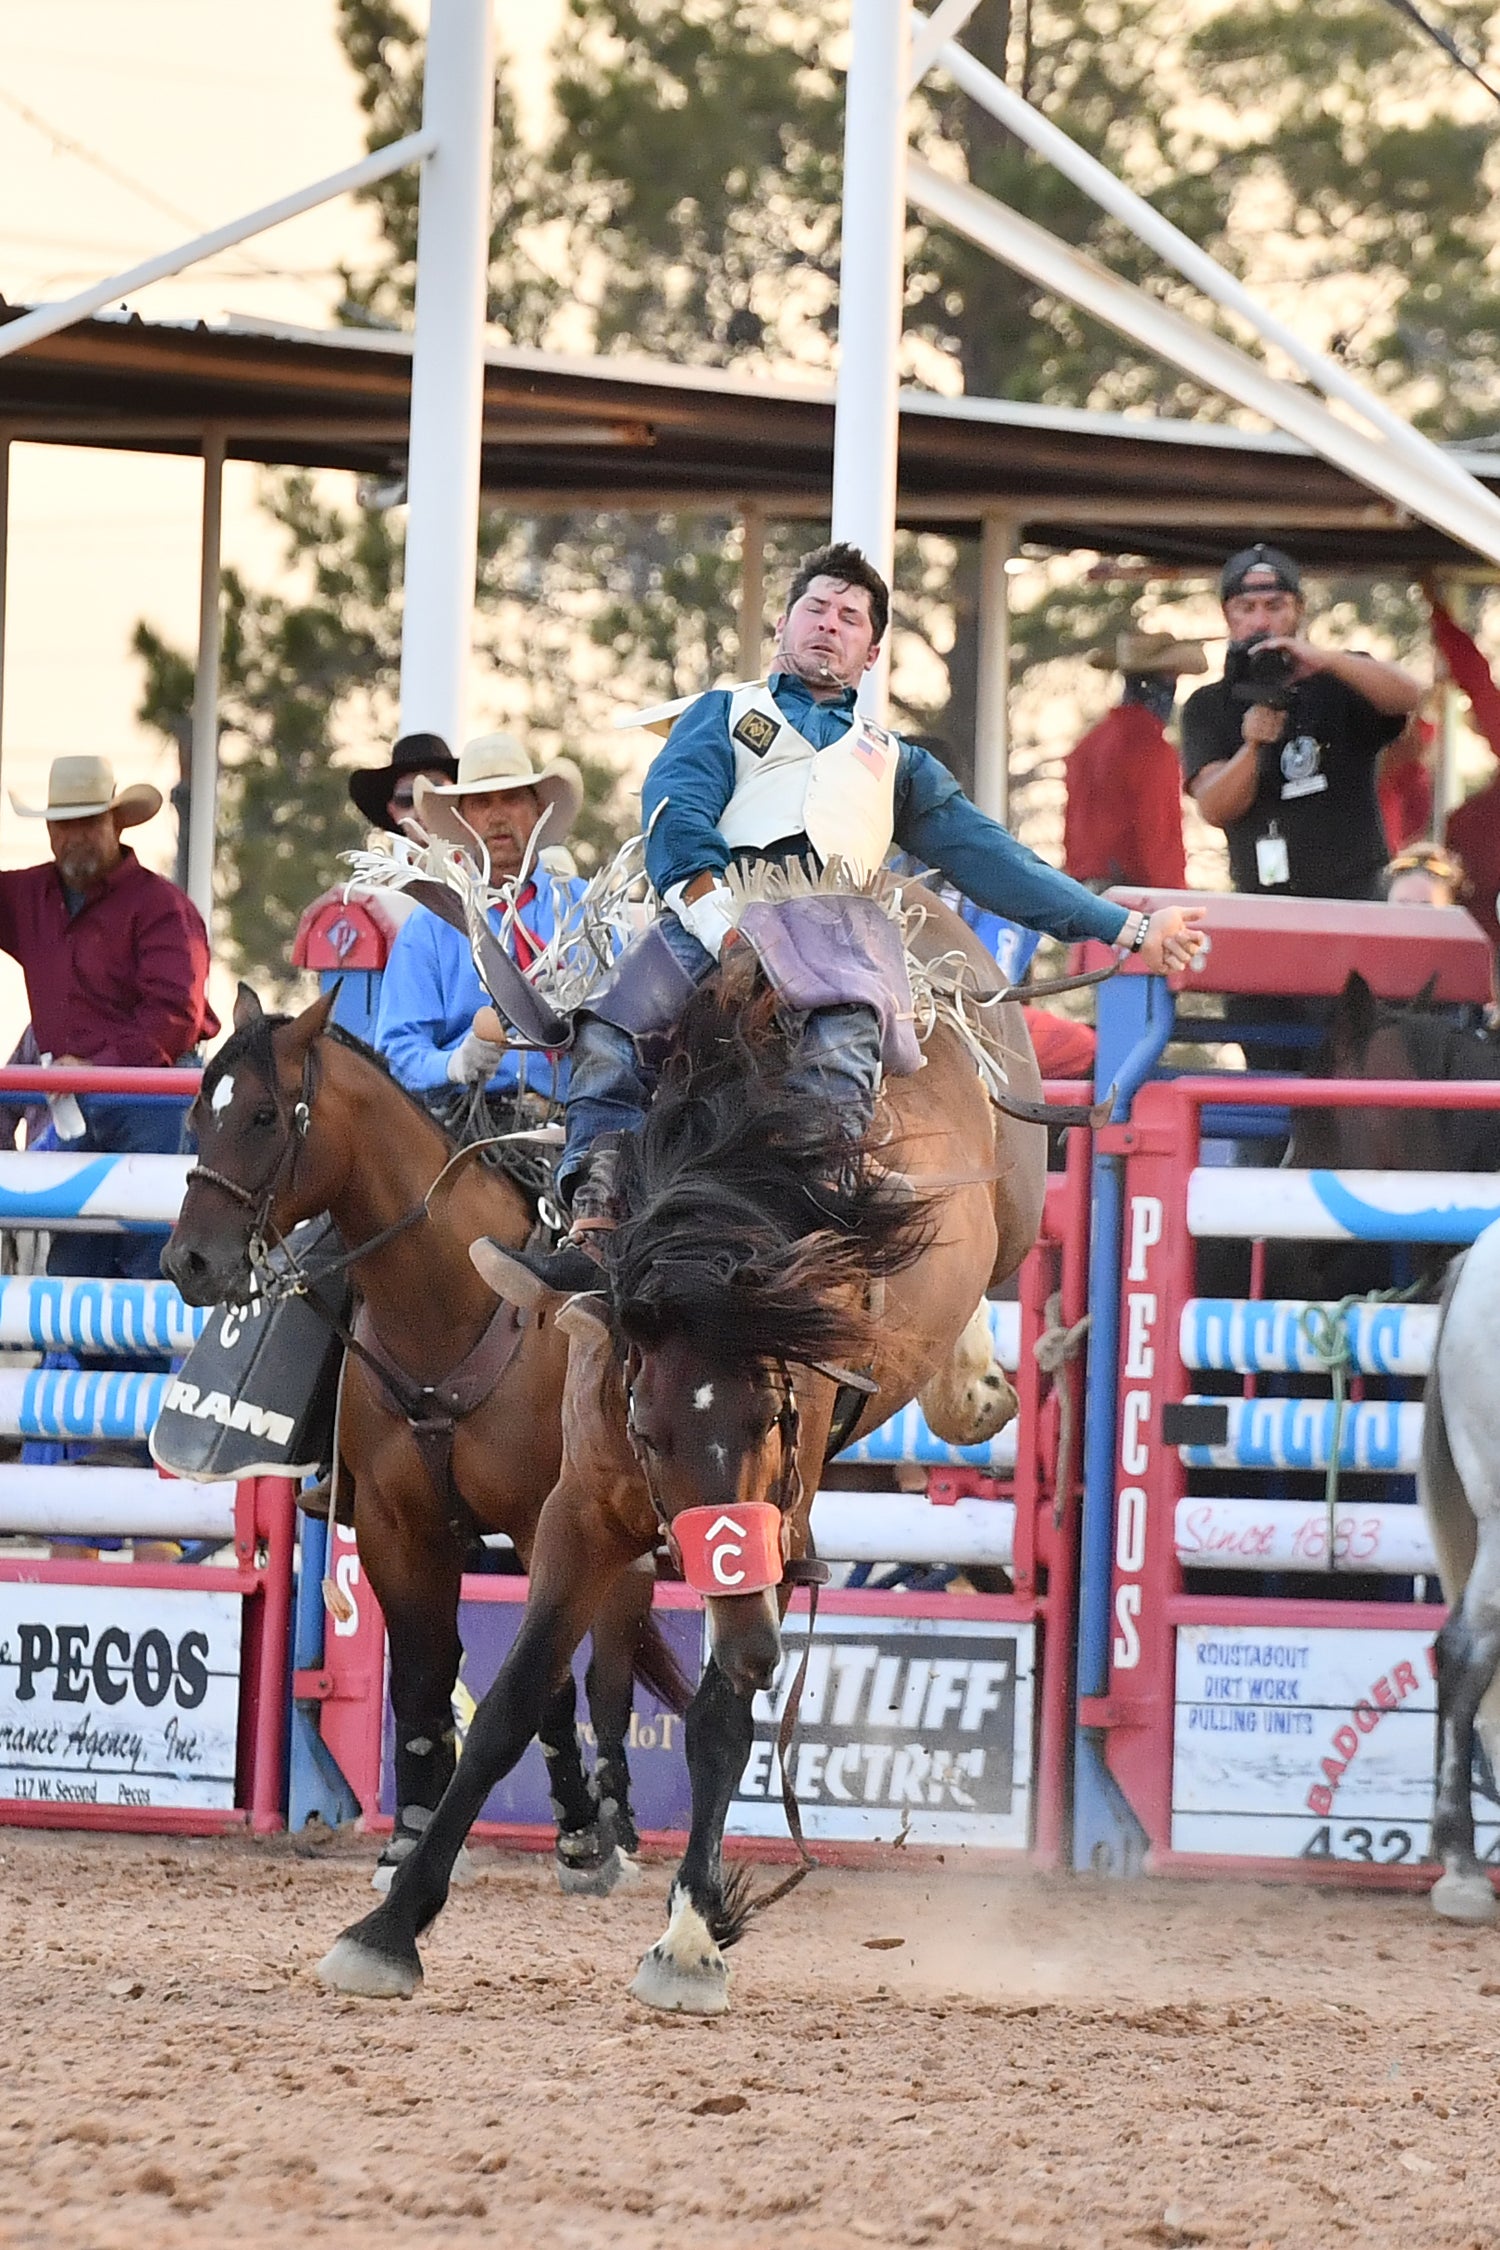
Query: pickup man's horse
[449, 1418]
[754, 1250]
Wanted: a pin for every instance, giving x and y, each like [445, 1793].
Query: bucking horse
[769, 1291]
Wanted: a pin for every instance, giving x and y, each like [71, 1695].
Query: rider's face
[503, 819]
[826, 637]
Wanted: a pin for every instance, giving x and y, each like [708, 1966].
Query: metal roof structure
[634, 433]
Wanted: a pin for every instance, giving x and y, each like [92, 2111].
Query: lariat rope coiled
[1053, 1349]
[1325, 1331]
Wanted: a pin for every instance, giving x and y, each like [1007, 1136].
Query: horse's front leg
[1468, 1651]
[577, 1555]
[685, 1971]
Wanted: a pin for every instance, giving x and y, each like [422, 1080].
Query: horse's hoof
[628, 1869]
[402, 1847]
[351, 1966]
[585, 1866]
[682, 1988]
[1464, 1898]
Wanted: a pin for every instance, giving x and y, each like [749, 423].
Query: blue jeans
[836, 1057]
[120, 1129]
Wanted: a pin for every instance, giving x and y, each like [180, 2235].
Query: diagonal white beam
[1050, 263]
[929, 35]
[46, 320]
[1159, 234]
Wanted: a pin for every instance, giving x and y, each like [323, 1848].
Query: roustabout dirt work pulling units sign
[118, 1695]
[1306, 1742]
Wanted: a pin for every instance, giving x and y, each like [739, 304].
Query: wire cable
[1445, 40]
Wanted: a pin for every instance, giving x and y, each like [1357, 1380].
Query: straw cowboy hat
[499, 761]
[371, 786]
[80, 788]
[1149, 652]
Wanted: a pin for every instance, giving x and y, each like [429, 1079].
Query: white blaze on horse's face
[703, 1397]
[223, 1094]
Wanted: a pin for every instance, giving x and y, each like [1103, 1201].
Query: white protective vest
[843, 799]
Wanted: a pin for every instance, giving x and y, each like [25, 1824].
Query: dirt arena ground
[1037, 2062]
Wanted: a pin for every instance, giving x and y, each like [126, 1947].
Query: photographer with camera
[1282, 752]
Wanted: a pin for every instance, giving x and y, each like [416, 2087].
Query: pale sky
[208, 110]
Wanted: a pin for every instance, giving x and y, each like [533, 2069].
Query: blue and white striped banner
[103, 1194]
[54, 1403]
[906, 1437]
[1342, 1206]
[1297, 1433]
[129, 1318]
[1253, 1337]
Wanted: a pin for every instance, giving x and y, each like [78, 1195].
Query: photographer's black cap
[1259, 557]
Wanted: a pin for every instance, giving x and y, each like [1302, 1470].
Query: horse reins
[805, 1571]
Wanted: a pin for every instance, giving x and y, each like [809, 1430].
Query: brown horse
[449, 1420]
[753, 1250]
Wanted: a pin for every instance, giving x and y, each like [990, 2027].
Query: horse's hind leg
[1468, 1652]
[685, 1971]
[610, 1685]
[584, 1853]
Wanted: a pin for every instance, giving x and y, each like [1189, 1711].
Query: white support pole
[203, 768]
[447, 376]
[46, 320]
[1159, 234]
[871, 288]
[992, 716]
[752, 611]
[1032, 251]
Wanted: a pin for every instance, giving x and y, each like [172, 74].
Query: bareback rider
[788, 769]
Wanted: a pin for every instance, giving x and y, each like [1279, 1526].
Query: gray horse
[1459, 1483]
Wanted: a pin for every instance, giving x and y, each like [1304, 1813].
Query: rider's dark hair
[851, 568]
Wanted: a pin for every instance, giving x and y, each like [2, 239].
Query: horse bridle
[788, 1426]
[293, 1278]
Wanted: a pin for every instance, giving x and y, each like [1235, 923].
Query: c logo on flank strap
[756, 731]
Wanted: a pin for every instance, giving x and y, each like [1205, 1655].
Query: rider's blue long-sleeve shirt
[431, 990]
[692, 779]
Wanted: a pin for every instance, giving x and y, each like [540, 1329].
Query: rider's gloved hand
[474, 1061]
[710, 916]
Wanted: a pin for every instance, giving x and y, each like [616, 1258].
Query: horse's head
[1369, 1037]
[258, 1172]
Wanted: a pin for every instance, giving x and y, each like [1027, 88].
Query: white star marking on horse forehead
[703, 1397]
[223, 1093]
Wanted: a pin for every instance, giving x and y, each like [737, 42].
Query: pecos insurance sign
[118, 1695]
[915, 1725]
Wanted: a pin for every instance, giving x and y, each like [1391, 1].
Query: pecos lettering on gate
[1137, 1420]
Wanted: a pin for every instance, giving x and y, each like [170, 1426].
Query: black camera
[1257, 673]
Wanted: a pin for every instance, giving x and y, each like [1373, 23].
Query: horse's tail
[1440, 1488]
[657, 1668]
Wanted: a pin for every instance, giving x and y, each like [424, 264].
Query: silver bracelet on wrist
[1130, 941]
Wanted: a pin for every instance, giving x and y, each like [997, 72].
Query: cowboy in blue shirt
[431, 991]
[788, 769]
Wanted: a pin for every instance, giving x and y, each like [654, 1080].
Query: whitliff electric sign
[118, 1695]
[915, 1724]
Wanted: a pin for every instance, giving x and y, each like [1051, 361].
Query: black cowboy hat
[370, 787]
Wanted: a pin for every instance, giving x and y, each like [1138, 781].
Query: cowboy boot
[576, 1267]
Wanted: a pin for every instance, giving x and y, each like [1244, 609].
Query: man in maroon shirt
[1124, 816]
[116, 966]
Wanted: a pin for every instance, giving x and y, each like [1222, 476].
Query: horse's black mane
[748, 1221]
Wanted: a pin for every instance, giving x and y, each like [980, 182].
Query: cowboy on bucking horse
[787, 769]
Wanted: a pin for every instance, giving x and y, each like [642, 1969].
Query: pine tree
[686, 204]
